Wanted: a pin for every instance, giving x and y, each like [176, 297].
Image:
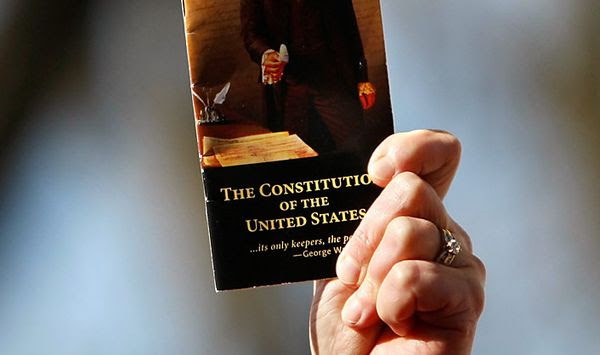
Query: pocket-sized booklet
[290, 98]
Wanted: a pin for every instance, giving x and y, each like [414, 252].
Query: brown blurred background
[103, 247]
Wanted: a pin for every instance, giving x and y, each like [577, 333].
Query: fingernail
[348, 270]
[352, 312]
[382, 169]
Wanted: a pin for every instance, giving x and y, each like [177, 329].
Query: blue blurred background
[103, 248]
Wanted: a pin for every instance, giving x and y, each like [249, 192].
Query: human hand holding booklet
[284, 159]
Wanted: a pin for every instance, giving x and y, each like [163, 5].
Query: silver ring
[450, 248]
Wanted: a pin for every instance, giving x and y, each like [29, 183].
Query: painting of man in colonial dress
[312, 67]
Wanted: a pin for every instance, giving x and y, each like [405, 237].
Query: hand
[367, 95]
[390, 296]
[274, 66]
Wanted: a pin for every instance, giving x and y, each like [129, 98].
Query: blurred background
[103, 248]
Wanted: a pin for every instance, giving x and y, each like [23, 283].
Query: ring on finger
[450, 248]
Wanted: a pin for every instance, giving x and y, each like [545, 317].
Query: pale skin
[275, 68]
[390, 296]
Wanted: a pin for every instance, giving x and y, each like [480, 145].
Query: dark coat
[265, 25]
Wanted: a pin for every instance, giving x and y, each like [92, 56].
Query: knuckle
[479, 300]
[465, 239]
[404, 232]
[478, 297]
[401, 226]
[405, 275]
[479, 267]
[454, 144]
[451, 142]
[424, 134]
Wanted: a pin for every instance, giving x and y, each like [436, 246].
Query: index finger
[433, 155]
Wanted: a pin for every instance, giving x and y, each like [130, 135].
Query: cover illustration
[290, 98]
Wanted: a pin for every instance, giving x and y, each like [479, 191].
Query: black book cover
[290, 97]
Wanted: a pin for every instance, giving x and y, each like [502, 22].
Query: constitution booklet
[290, 98]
